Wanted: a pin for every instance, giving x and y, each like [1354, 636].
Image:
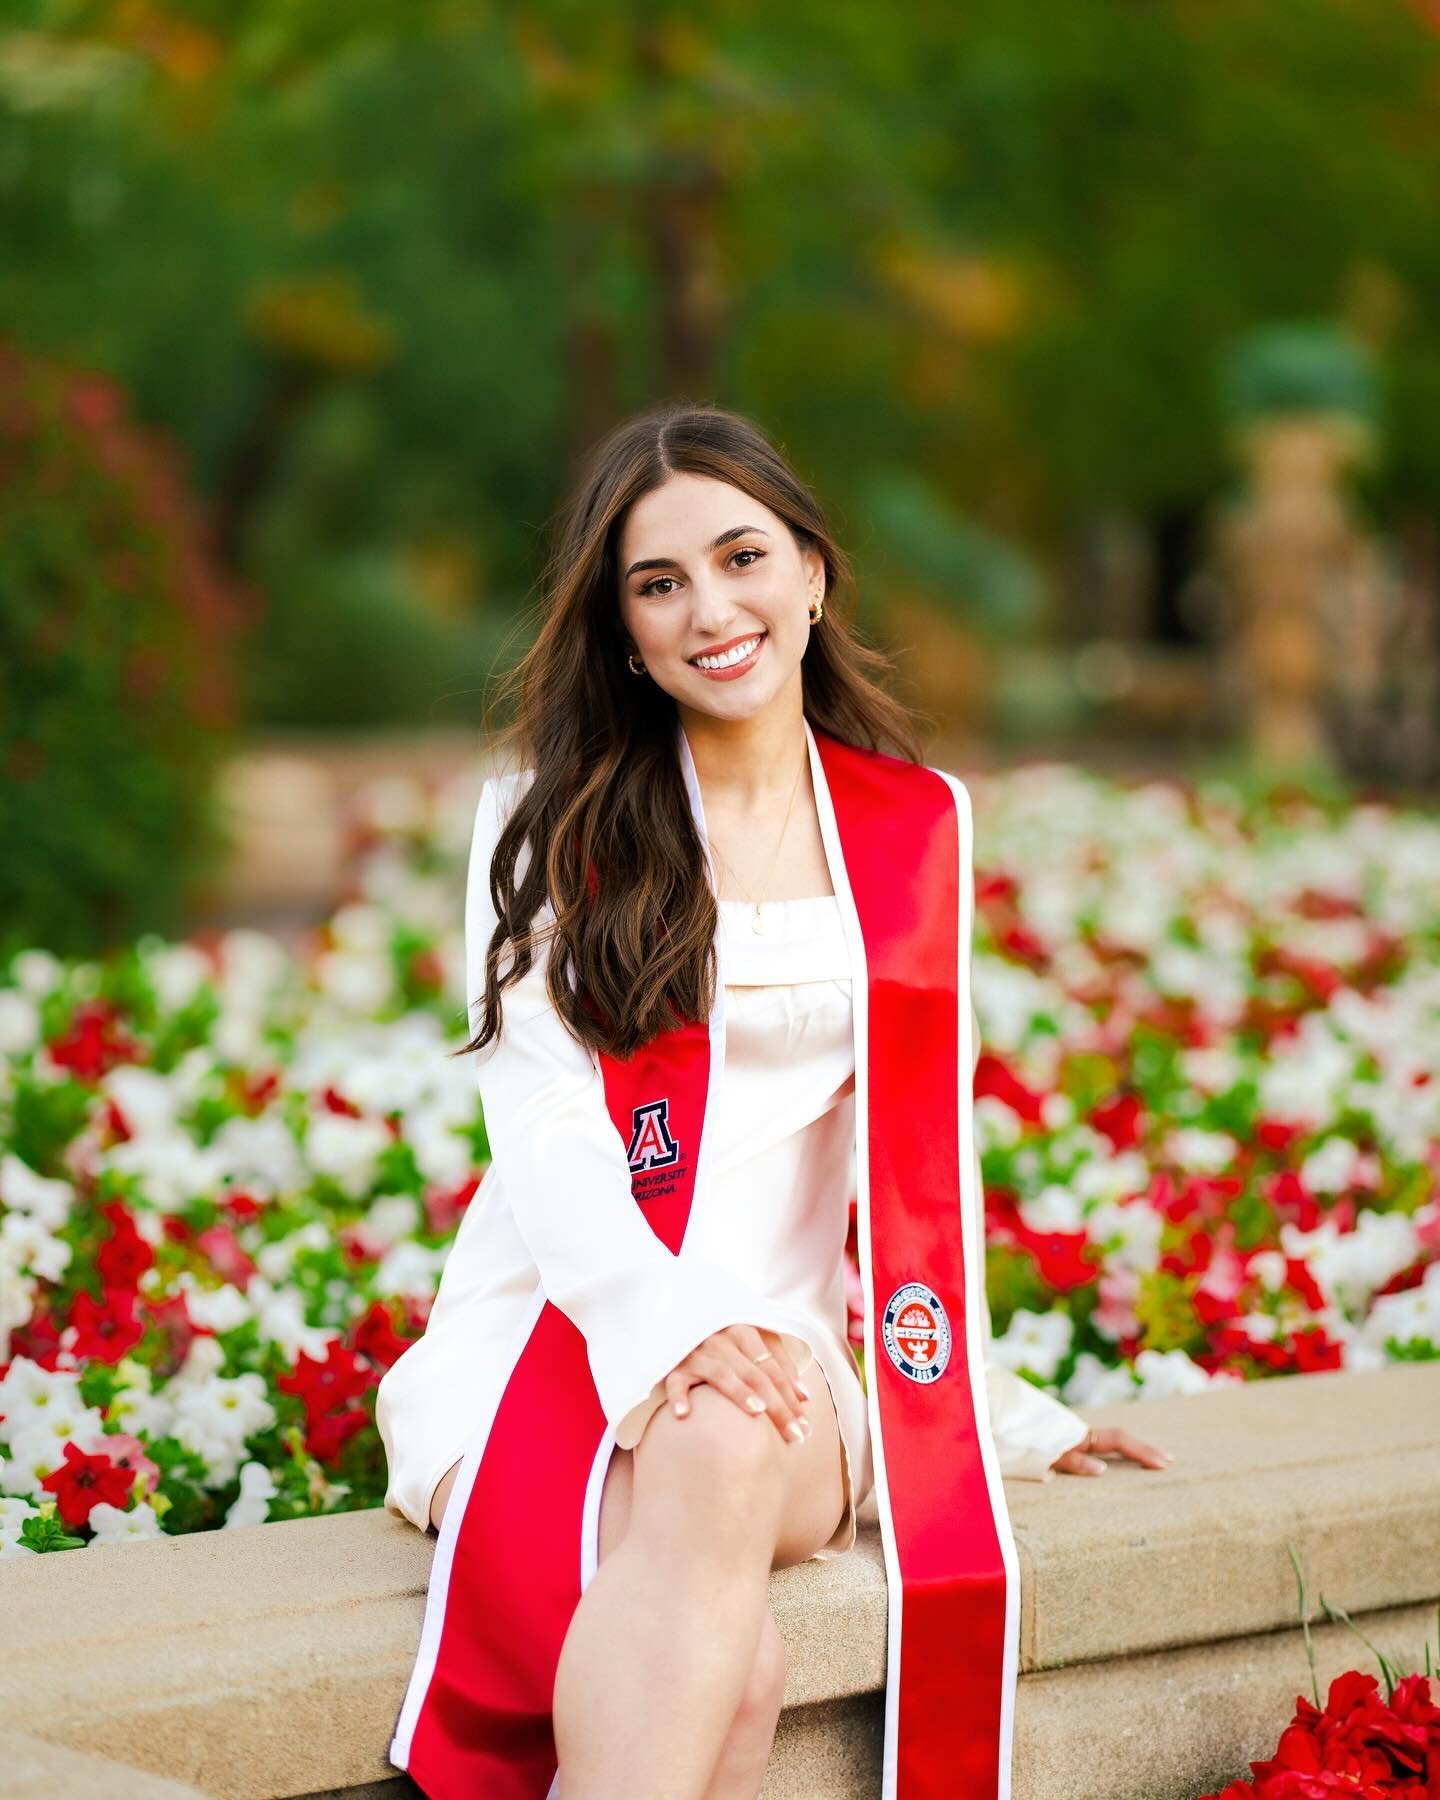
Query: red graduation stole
[520, 1535]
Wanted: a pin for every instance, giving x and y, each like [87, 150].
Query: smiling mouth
[741, 652]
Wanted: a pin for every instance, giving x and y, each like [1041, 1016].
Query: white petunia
[1331, 1167]
[1034, 1341]
[46, 1200]
[1095, 1383]
[33, 1247]
[113, 1525]
[19, 1023]
[1168, 1372]
[346, 1149]
[257, 1490]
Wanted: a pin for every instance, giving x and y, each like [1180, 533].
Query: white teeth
[738, 654]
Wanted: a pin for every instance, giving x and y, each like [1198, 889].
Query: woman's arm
[640, 1308]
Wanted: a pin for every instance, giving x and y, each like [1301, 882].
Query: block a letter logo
[651, 1143]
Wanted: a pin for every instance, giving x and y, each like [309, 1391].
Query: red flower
[242, 1207]
[1120, 1120]
[1065, 1260]
[339, 1379]
[376, 1337]
[105, 1330]
[95, 1042]
[326, 1438]
[82, 1481]
[125, 1255]
[445, 1207]
[995, 1076]
[220, 1245]
[334, 1101]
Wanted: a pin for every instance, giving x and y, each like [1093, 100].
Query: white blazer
[555, 1209]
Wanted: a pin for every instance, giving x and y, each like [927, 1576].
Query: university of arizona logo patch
[916, 1332]
[652, 1144]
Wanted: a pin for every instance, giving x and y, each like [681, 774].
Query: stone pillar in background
[1296, 566]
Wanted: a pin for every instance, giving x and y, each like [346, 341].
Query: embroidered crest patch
[916, 1332]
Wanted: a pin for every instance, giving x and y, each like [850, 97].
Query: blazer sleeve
[1030, 1428]
[640, 1308]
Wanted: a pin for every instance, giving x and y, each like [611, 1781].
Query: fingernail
[801, 1389]
[755, 1403]
[793, 1431]
[1101, 1467]
[681, 1408]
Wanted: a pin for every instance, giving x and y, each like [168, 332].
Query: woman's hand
[750, 1367]
[1106, 1440]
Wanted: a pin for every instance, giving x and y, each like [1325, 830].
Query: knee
[719, 1458]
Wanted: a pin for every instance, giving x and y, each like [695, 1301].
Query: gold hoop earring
[817, 611]
[635, 668]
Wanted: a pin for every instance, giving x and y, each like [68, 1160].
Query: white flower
[1411, 1316]
[1095, 1383]
[281, 1315]
[391, 1218]
[112, 1525]
[217, 1309]
[37, 972]
[1129, 1233]
[1352, 1264]
[32, 1246]
[361, 982]
[177, 972]
[346, 1149]
[14, 1512]
[1054, 1208]
[19, 1023]
[148, 1099]
[1169, 1372]
[1210, 1152]
[30, 1456]
[260, 1151]
[257, 1490]
[1034, 1341]
[214, 1418]
[17, 1302]
[45, 1200]
[1330, 1168]
[137, 1410]
[276, 1260]
[441, 1155]
[410, 1269]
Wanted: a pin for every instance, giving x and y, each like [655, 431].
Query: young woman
[691, 718]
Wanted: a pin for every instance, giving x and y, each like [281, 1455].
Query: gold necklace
[757, 921]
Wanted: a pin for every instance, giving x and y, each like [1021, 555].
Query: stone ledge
[272, 1661]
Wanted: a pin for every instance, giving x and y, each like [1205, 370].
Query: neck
[748, 763]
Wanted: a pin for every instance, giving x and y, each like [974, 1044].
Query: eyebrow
[670, 562]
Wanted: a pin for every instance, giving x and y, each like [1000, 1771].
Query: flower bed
[229, 1174]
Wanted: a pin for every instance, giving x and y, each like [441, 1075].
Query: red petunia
[82, 1481]
[108, 1329]
[1120, 1120]
[339, 1379]
[375, 1336]
[125, 1255]
[222, 1249]
[326, 1437]
[994, 1076]
[95, 1042]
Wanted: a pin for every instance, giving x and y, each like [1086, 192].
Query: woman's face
[703, 565]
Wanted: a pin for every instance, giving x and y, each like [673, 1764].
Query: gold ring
[761, 1357]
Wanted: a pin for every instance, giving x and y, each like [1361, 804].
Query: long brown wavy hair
[637, 955]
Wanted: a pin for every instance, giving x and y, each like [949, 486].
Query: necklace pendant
[757, 922]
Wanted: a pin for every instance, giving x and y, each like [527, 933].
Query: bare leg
[811, 1499]
[658, 1672]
